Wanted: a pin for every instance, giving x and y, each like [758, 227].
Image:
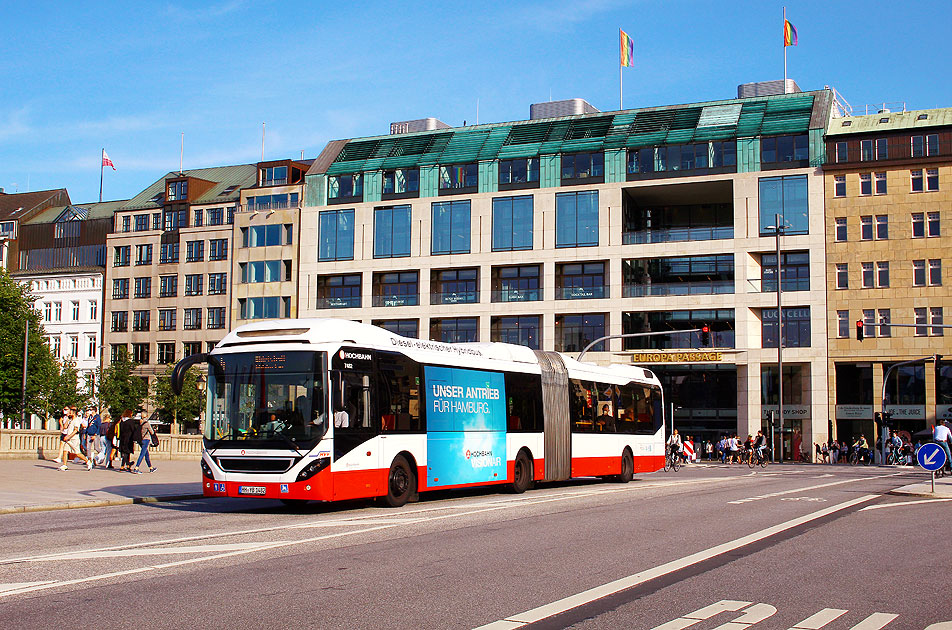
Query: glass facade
[455, 330]
[720, 322]
[574, 332]
[336, 235]
[512, 223]
[576, 219]
[522, 330]
[787, 197]
[450, 227]
[392, 232]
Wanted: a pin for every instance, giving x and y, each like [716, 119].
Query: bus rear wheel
[401, 482]
[627, 467]
[521, 473]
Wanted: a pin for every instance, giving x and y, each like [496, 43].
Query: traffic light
[887, 416]
[877, 418]
[859, 330]
[705, 335]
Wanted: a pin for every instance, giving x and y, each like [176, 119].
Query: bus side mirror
[178, 372]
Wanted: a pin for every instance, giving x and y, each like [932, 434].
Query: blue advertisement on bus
[466, 426]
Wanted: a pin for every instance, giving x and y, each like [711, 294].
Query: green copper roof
[891, 121]
[700, 122]
[224, 177]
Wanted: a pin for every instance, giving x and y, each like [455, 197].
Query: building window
[117, 350]
[516, 284]
[451, 227]
[121, 256]
[935, 314]
[216, 317]
[191, 347]
[193, 284]
[455, 330]
[404, 327]
[339, 291]
[92, 348]
[174, 219]
[93, 310]
[169, 253]
[917, 182]
[932, 144]
[796, 327]
[273, 176]
[882, 227]
[787, 197]
[166, 319]
[143, 287]
[784, 149]
[518, 171]
[512, 223]
[880, 183]
[882, 274]
[192, 319]
[396, 288]
[58, 308]
[935, 272]
[921, 314]
[266, 235]
[345, 187]
[842, 276]
[120, 289]
[73, 346]
[459, 176]
[126, 222]
[140, 353]
[168, 286]
[198, 217]
[795, 267]
[576, 219]
[120, 321]
[194, 251]
[839, 185]
[55, 344]
[841, 153]
[48, 307]
[217, 283]
[455, 286]
[580, 281]
[882, 149]
[218, 249]
[932, 179]
[587, 165]
[870, 329]
[141, 321]
[918, 146]
[574, 332]
[166, 352]
[141, 223]
[176, 191]
[869, 278]
[918, 225]
[336, 235]
[392, 232]
[866, 150]
[918, 273]
[866, 228]
[401, 181]
[843, 324]
[521, 330]
[933, 224]
[866, 184]
[678, 275]
[144, 254]
[884, 320]
[841, 230]
[156, 220]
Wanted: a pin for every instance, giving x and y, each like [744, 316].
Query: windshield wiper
[227, 436]
[289, 441]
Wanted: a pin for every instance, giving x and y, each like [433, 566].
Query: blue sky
[132, 77]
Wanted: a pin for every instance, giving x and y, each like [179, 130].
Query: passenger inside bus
[606, 421]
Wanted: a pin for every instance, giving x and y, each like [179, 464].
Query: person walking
[942, 436]
[72, 441]
[107, 433]
[148, 438]
[93, 423]
[128, 431]
[62, 456]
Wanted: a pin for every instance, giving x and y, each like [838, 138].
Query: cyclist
[896, 443]
[760, 443]
[674, 444]
[862, 447]
[942, 436]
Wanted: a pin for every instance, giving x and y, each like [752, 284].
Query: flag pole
[620, 104]
[102, 158]
[785, 50]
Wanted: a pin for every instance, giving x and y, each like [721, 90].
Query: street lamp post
[778, 230]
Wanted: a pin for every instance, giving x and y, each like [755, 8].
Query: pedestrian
[128, 430]
[825, 453]
[148, 438]
[942, 436]
[709, 450]
[834, 452]
[819, 453]
[107, 433]
[72, 441]
[62, 456]
[93, 423]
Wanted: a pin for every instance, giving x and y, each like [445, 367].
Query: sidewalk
[35, 485]
[943, 487]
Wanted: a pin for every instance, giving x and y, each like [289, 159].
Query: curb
[72, 505]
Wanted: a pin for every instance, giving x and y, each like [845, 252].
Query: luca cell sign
[466, 426]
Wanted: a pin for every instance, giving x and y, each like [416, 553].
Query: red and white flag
[106, 161]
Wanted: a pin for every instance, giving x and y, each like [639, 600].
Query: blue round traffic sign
[931, 456]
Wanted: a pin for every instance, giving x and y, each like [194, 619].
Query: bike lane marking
[875, 621]
[816, 487]
[820, 619]
[579, 599]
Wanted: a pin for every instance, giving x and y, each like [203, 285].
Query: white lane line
[875, 621]
[822, 485]
[161, 551]
[598, 592]
[904, 504]
[15, 586]
[820, 619]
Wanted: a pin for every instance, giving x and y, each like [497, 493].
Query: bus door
[352, 410]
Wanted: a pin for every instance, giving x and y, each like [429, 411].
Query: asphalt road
[705, 548]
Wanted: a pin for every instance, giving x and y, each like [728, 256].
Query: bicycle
[757, 458]
[672, 461]
[896, 457]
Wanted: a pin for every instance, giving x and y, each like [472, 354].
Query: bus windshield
[266, 397]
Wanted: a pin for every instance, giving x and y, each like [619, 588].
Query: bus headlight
[206, 470]
[313, 468]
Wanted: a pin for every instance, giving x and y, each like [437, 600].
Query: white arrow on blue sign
[931, 456]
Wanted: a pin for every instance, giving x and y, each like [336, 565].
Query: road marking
[820, 619]
[754, 614]
[579, 599]
[903, 504]
[15, 586]
[807, 499]
[160, 551]
[822, 485]
[875, 621]
[688, 620]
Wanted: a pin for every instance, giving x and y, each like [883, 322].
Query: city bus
[330, 410]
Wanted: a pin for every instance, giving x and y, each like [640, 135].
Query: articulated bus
[328, 410]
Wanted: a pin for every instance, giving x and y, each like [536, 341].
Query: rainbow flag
[628, 49]
[789, 34]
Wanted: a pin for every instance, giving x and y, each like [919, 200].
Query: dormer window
[346, 186]
[401, 180]
[177, 191]
[273, 176]
[458, 176]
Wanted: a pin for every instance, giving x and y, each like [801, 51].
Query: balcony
[672, 235]
[396, 300]
[517, 295]
[708, 287]
[455, 297]
[580, 293]
[339, 302]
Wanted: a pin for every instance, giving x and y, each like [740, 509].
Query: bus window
[581, 401]
[524, 402]
[398, 393]
[646, 408]
[627, 417]
[605, 408]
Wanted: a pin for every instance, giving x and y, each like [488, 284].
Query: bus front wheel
[627, 467]
[401, 482]
[521, 473]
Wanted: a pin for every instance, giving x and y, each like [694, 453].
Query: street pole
[779, 227]
[26, 357]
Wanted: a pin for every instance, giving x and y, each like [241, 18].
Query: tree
[119, 388]
[16, 310]
[62, 389]
[187, 405]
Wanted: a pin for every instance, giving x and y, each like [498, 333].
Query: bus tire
[401, 482]
[627, 467]
[521, 473]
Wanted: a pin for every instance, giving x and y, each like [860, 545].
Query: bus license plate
[259, 490]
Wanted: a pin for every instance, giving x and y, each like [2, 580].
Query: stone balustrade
[37, 444]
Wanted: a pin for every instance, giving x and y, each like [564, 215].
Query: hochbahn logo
[354, 356]
[482, 459]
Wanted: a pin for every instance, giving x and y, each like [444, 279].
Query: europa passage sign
[466, 426]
